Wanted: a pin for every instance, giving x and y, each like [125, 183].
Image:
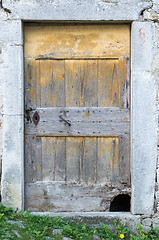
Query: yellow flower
[121, 236]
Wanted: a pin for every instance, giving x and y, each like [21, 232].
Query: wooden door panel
[77, 157]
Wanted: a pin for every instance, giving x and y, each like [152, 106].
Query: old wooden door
[77, 116]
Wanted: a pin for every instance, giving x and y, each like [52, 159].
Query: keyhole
[36, 118]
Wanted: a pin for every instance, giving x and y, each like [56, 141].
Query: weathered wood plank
[104, 78]
[91, 84]
[77, 41]
[107, 165]
[52, 83]
[113, 83]
[60, 164]
[53, 159]
[59, 197]
[32, 76]
[124, 75]
[83, 114]
[84, 121]
[74, 157]
[32, 159]
[89, 169]
[75, 80]
[48, 158]
[81, 83]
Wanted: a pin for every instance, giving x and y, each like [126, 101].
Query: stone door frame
[143, 94]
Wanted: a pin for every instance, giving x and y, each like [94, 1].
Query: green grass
[25, 226]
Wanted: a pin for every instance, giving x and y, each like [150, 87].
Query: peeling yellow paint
[88, 114]
[84, 41]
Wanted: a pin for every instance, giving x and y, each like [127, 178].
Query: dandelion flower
[121, 236]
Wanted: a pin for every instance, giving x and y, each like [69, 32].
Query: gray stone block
[57, 231]
[147, 222]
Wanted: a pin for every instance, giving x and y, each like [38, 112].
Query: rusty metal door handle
[66, 121]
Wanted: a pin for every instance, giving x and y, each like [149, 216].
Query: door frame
[143, 118]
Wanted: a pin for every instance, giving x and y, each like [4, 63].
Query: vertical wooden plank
[32, 159]
[107, 165]
[124, 78]
[103, 163]
[38, 85]
[113, 81]
[90, 160]
[115, 93]
[52, 83]
[91, 84]
[31, 79]
[73, 158]
[75, 74]
[48, 158]
[46, 83]
[108, 85]
[39, 158]
[60, 161]
[81, 83]
[114, 160]
[53, 158]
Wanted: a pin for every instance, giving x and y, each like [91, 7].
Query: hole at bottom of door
[120, 203]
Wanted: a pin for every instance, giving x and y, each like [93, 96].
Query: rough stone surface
[156, 72]
[18, 223]
[96, 237]
[147, 222]
[144, 130]
[156, 222]
[145, 228]
[11, 76]
[57, 231]
[95, 218]
[66, 238]
[157, 173]
[17, 234]
[77, 10]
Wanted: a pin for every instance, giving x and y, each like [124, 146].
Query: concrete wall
[144, 16]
